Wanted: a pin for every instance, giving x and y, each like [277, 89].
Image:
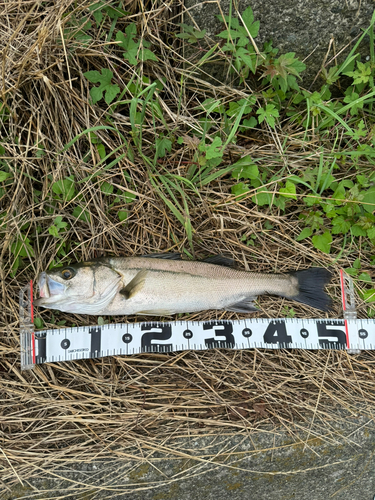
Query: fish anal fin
[135, 285]
[156, 312]
[171, 256]
[220, 260]
[243, 306]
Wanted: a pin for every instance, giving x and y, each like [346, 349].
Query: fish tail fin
[311, 283]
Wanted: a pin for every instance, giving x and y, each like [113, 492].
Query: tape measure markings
[125, 339]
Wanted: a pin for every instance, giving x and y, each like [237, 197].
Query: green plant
[21, 248]
[135, 50]
[57, 227]
[106, 86]
[238, 44]
[191, 34]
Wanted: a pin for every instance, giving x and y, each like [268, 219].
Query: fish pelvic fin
[135, 285]
[311, 283]
[244, 306]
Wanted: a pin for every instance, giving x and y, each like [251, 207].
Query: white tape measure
[67, 344]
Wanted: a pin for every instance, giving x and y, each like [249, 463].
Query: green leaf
[115, 12]
[369, 295]
[322, 241]
[96, 94]
[65, 188]
[353, 98]
[289, 191]
[58, 222]
[245, 168]
[365, 277]
[247, 58]
[38, 323]
[106, 188]
[162, 145]
[111, 91]
[190, 33]
[368, 200]
[122, 215]
[53, 231]
[4, 176]
[357, 230]
[248, 19]
[361, 74]
[233, 21]
[214, 150]
[340, 225]
[147, 55]
[305, 233]
[232, 33]
[357, 264]
[371, 233]
[82, 214]
[240, 189]
[133, 51]
[96, 12]
[104, 78]
[351, 271]
[269, 113]
[101, 150]
[251, 122]
[359, 132]
[236, 106]
[262, 198]
[22, 247]
[129, 197]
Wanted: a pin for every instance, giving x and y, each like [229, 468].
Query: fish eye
[67, 273]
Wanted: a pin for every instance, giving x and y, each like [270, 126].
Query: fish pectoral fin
[135, 285]
[244, 306]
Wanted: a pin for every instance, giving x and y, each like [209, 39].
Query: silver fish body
[164, 286]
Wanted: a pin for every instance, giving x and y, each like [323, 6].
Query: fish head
[83, 288]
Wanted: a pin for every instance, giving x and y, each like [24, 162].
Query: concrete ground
[264, 465]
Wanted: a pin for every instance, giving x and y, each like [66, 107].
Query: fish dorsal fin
[135, 285]
[171, 256]
[220, 260]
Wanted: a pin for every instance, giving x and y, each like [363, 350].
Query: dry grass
[96, 409]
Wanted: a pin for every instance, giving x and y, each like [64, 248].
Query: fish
[165, 284]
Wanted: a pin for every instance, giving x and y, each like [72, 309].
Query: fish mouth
[48, 287]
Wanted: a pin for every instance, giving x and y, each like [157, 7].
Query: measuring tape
[68, 344]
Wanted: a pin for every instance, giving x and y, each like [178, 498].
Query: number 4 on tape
[67, 344]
